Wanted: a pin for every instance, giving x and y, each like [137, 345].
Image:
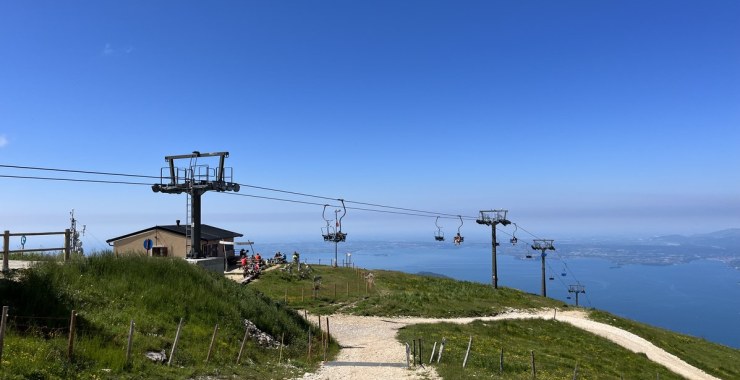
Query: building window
[159, 251]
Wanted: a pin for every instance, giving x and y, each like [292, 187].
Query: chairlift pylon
[439, 235]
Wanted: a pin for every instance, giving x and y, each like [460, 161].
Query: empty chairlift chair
[438, 236]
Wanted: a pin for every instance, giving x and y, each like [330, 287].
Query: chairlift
[328, 232]
[529, 255]
[459, 238]
[552, 278]
[340, 236]
[438, 236]
[513, 239]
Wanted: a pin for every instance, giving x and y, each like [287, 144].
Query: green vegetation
[557, 347]
[394, 294]
[36, 256]
[108, 292]
[720, 361]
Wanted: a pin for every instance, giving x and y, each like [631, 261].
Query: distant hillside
[727, 239]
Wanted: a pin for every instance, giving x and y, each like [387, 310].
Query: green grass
[557, 348]
[108, 292]
[36, 256]
[395, 294]
[400, 294]
[718, 360]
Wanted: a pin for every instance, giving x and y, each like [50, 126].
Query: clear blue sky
[580, 117]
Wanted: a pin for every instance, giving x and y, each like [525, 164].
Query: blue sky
[580, 117]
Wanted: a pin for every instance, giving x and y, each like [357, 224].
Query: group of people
[253, 265]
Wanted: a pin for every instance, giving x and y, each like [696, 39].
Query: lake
[699, 298]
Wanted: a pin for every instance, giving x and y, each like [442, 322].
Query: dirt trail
[370, 350]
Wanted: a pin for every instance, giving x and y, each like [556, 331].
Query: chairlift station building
[172, 241]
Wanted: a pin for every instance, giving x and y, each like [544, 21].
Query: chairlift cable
[76, 171]
[74, 180]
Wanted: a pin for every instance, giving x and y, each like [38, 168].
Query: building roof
[206, 232]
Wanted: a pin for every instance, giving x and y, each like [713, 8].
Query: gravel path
[370, 350]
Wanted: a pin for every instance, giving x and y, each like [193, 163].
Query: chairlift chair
[459, 238]
[328, 232]
[513, 239]
[438, 236]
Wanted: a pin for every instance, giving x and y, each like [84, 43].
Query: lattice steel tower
[195, 180]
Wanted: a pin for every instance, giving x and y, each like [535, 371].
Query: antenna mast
[195, 180]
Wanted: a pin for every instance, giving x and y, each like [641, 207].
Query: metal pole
[195, 237]
[544, 284]
[494, 269]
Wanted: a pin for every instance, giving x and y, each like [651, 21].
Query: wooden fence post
[3, 322]
[282, 343]
[421, 352]
[441, 348]
[66, 244]
[6, 250]
[241, 348]
[408, 350]
[328, 336]
[534, 368]
[174, 345]
[213, 340]
[130, 342]
[414, 352]
[309, 344]
[71, 340]
[470, 343]
[501, 362]
[575, 372]
[434, 348]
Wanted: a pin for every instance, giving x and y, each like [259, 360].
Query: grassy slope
[108, 292]
[557, 346]
[718, 360]
[397, 293]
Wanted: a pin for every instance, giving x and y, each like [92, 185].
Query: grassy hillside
[396, 294]
[715, 359]
[108, 292]
[557, 346]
